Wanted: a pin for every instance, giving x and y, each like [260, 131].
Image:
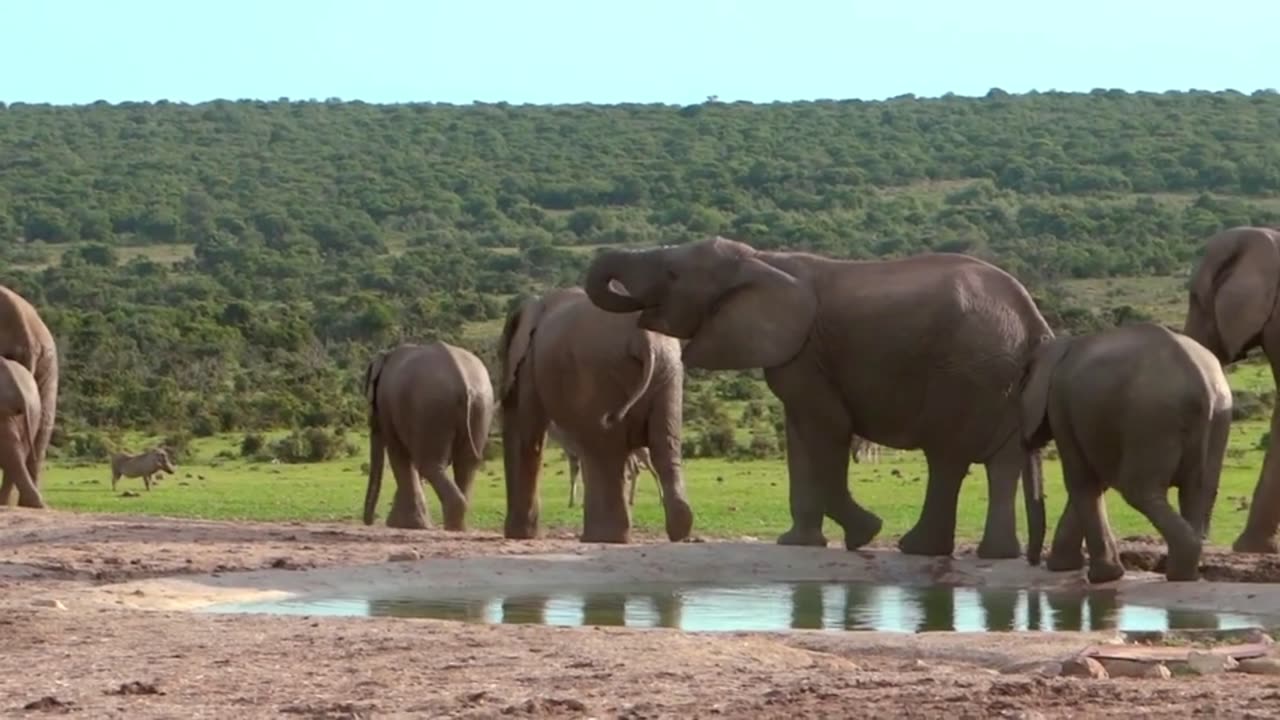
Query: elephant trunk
[1033, 490]
[606, 267]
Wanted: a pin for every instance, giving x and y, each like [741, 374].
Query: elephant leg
[1104, 556]
[453, 504]
[818, 464]
[1067, 552]
[1144, 481]
[1000, 535]
[935, 532]
[6, 491]
[606, 517]
[409, 504]
[1258, 535]
[524, 429]
[16, 475]
[1210, 473]
[464, 471]
[666, 459]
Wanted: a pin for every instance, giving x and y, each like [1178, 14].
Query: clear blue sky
[681, 51]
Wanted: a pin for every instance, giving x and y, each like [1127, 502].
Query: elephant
[1231, 310]
[26, 341]
[142, 465]
[1139, 408]
[429, 405]
[611, 388]
[21, 414]
[923, 352]
[638, 460]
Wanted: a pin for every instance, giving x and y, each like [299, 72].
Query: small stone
[1205, 663]
[1023, 714]
[1084, 667]
[1136, 669]
[1259, 666]
[49, 603]
[404, 556]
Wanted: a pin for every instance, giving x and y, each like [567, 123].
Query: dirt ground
[65, 648]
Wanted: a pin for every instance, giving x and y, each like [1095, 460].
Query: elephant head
[737, 308]
[1233, 291]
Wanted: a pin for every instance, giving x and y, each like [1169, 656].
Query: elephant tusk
[616, 286]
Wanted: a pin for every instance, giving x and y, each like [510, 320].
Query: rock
[1205, 663]
[1084, 667]
[1136, 669]
[1259, 666]
[1023, 714]
[49, 603]
[404, 556]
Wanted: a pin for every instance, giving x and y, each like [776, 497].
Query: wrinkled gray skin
[1231, 310]
[142, 465]
[1140, 409]
[26, 340]
[430, 405]
[19, 417]
[922, 353]
[611, 388]
[638, 460]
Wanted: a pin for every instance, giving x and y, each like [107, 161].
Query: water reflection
[808, 605]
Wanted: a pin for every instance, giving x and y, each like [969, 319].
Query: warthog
[145, 464]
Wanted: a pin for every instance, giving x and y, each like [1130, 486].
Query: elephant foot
[1104, 571]
[812, 537]
[408, 521]
[456, 520]
[1261, 546]
[520, 530]
[920, 542]
[862, 531]
[607, 535]
[1002, 549]
[1064, 561]
[679, 520]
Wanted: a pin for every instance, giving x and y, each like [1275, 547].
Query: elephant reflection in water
[465, 609]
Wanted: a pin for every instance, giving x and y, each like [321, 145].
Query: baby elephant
[1139, 408]
[430, 406]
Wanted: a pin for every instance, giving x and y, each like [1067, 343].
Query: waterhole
[771, 606]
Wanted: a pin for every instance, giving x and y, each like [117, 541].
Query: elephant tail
[1033, 490]
[377, 447]
[648, 359]
[469, 407]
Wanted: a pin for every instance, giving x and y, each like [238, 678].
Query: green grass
[731, 499]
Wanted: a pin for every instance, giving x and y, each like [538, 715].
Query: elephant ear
[1034, 398]
[517, 336]
[20, 395]
[761, 321]
[1242, 275]
[371, 374]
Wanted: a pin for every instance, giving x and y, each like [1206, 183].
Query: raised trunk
[618, 265]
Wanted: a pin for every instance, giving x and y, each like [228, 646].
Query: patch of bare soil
[102, 661]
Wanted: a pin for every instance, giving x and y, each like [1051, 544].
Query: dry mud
[98, 618]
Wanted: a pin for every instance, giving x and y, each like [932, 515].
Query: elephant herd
[937, 352]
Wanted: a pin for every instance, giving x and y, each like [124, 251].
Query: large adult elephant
[611, 388]
[26, 341]
[429, 406]
[1231, 310]
[923, 352]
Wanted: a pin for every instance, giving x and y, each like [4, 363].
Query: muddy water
[773, 606]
